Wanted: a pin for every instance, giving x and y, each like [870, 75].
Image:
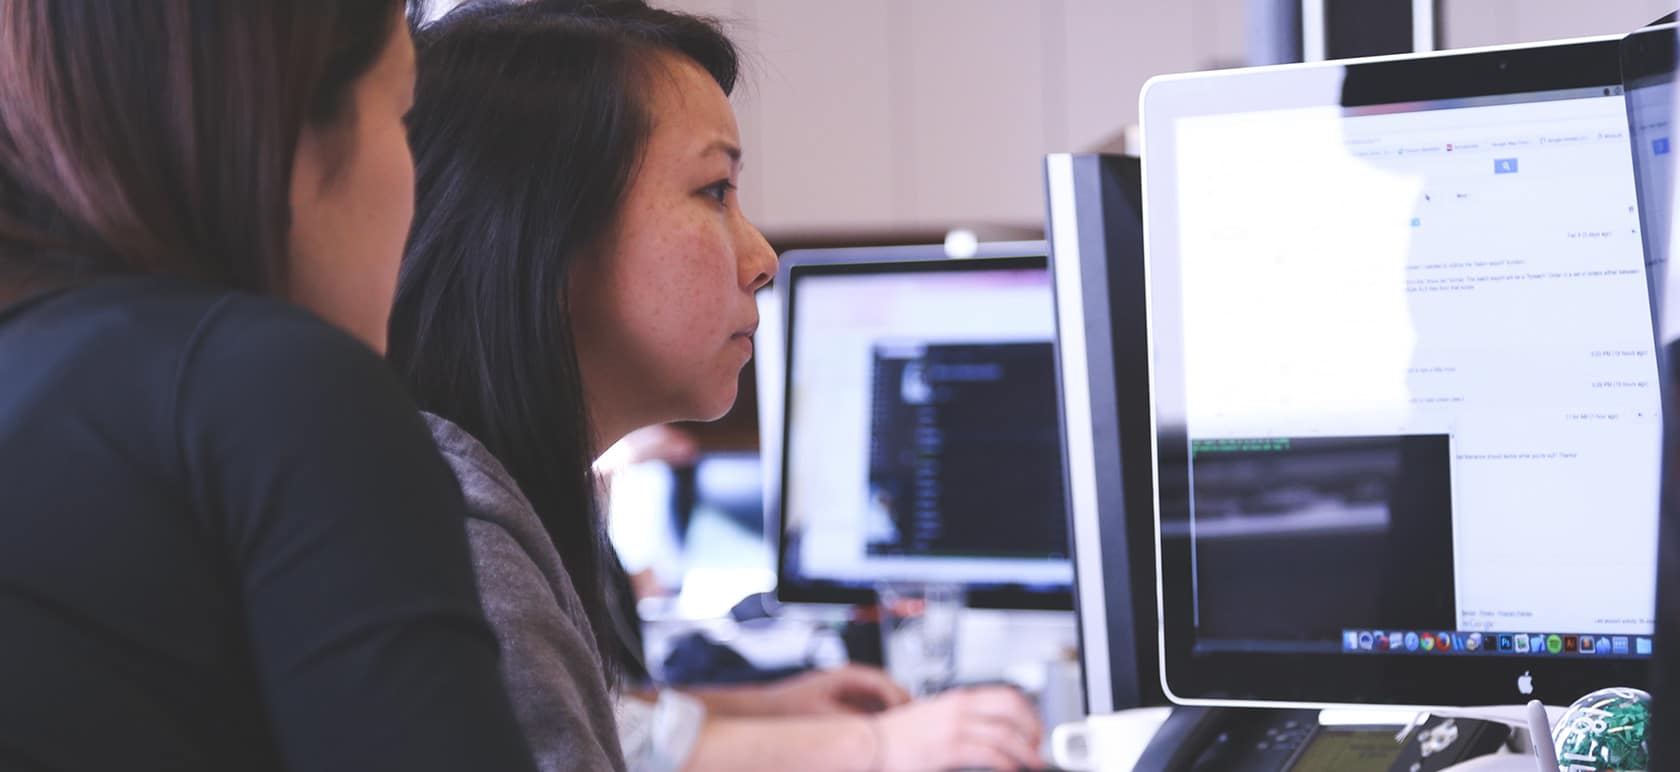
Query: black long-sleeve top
[228, 543]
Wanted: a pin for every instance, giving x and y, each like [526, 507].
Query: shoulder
[509, 543]
[120, 321]
[259, 360]
[178, 347]
[156, 321]
[281, 338]
[271, 385]
[492, 494]
[147, 310]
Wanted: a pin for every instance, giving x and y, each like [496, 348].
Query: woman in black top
[226, 540]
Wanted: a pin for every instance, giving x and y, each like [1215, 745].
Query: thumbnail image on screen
[960, 462]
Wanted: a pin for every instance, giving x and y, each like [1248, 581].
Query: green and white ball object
[1604, 732]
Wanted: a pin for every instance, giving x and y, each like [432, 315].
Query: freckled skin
[660, 313]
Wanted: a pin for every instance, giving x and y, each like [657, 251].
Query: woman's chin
[716, 405]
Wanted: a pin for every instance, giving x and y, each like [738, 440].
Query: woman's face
[664, 317]
[352, 198]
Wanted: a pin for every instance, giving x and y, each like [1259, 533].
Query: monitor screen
[1406, 389]
[921, 434]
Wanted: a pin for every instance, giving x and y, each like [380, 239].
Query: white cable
[1540, 736]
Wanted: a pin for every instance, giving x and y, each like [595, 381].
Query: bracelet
[878, 762]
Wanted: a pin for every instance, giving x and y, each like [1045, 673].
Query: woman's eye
[719, 190]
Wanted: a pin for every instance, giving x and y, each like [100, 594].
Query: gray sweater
[549, 660]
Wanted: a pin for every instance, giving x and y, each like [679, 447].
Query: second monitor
[921, 441]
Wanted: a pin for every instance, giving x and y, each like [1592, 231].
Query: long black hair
[528, 124]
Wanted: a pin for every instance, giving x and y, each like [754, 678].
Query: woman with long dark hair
[580, 268]
[226, 540]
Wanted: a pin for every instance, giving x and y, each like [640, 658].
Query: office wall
[887, 115]
[1470, 23]
[912, 116]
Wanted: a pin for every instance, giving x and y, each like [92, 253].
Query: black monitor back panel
[1107, 368]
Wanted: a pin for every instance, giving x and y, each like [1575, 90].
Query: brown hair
[157, 136]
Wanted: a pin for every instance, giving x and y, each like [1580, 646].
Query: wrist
[738, 701]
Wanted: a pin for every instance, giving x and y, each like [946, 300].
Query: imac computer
[1406, 415]
[920, 440]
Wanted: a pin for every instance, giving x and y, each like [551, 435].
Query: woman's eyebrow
[724, 146]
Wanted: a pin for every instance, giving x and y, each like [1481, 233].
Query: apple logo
[1525, 683]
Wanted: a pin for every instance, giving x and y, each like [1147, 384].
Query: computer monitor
[920, 439]
[1648, 68]
[1095, 222]
[1406, 407]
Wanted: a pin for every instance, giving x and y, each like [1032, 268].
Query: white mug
[1105, 743]
[1062, 697]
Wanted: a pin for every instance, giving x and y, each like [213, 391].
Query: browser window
[1439, 352]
